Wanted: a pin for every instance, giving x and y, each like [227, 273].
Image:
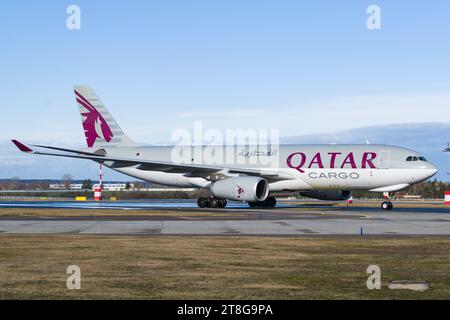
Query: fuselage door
[383, 159]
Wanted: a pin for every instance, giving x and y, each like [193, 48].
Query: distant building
[79, 186]
[61, 186]
[406, 196]
[114, 186]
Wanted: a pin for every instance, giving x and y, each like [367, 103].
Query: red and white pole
[447, 197]
[98, 190]
[100, 174]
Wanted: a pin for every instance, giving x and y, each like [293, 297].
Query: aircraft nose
[432, 169]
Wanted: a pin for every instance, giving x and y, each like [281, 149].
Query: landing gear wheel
[213, 203]
[201, 202]
[387, 205]
[270, 202]
[256, 204]
[222, 203]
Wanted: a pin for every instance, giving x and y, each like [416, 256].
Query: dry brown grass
[220, 267]
[374, 204]
[55, 212]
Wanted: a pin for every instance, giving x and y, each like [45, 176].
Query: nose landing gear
[387, 205]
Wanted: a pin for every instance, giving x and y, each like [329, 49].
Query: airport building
[105, 187]
[114, 186]
[61, 186]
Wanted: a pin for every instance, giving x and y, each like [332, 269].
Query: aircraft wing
[209, 172]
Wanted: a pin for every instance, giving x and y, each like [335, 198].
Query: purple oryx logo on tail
[94, 124]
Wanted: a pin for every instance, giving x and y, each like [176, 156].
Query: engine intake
[332, 195]
[241, 189]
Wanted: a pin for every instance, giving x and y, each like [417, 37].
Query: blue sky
[301, 67]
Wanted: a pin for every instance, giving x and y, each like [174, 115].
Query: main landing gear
[212, 202]
[387, 205]
[270, 202]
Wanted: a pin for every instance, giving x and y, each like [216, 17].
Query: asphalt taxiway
[237, 219]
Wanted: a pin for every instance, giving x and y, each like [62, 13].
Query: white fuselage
[302, 167]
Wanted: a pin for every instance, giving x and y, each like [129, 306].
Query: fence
[33, 198]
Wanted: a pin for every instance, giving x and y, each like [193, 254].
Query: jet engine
[332, 195]
[247, 188]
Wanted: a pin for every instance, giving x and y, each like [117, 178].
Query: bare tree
[14, 184]
[138, 185]
[67, 180]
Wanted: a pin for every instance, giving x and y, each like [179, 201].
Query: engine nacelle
[248, 189]
[332, 195]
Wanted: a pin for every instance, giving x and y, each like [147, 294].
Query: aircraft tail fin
[100, 128]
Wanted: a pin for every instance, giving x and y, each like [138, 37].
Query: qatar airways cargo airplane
[325, 172]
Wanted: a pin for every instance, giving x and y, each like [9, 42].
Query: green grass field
[34, 267]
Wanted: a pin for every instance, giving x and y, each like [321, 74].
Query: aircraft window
[422, 159]
[415, 158]
[409, 158]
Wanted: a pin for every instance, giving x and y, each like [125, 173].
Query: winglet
[21, 146]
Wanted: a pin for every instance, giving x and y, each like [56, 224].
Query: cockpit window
[414, 158]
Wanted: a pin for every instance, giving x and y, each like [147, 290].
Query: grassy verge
[220, 267]
[55, 212]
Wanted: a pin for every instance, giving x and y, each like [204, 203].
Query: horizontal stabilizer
[22, 147]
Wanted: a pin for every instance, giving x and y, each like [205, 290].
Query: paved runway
[285, 220]
[171, 204]
[116, 205]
